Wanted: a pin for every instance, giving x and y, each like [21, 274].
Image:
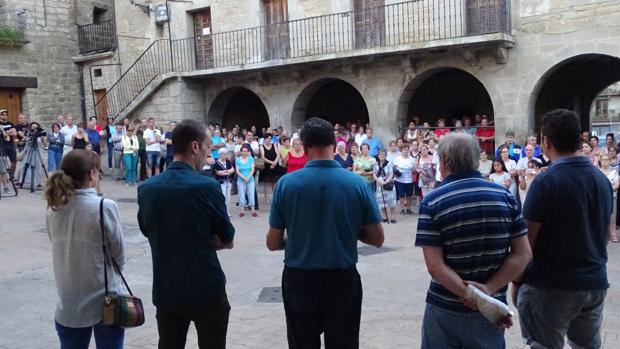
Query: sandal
[402, 211]
[409, 212]
[614, 239]
[254, 214]
[241, 214]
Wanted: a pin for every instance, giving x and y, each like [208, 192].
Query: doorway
[369, 23]
[11, 100]
[204, 39]
[101, 100]
[276, 23]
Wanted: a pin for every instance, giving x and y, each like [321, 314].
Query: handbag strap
[106, 257]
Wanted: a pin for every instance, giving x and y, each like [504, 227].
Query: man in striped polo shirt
[471, 232]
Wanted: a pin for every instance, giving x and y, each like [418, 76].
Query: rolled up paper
[492, 309]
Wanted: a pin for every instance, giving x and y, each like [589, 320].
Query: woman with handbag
[224, 171]
[73, 224]
[385, 194]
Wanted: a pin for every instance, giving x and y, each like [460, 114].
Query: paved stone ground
[394, 279]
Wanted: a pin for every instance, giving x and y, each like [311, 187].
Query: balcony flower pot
[11, 37]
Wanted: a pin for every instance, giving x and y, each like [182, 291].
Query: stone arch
[238, 106]
[333, 99]
[532, 84]
[572, 83]
[447, 92]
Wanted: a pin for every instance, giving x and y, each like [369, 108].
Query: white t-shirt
[500, 179]
[68, 132]
[405, 166]
[360, 138]
[150, 135]
[485, 167]
[522, 164]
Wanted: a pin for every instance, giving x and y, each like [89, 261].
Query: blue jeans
[245, 189]
[547, 316]
[106, 337]
[54, 158]
[130, 162]
[152, 158]
[444, 329]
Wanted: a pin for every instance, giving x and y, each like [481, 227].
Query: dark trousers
[142, 159]
[322, 301]
[211, 325]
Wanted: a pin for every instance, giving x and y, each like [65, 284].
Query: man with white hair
[472, 233]
[68, 130]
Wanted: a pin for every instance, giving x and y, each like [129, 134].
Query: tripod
[33, 158]
[6, 177]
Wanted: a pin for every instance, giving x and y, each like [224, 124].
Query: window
[98, 73]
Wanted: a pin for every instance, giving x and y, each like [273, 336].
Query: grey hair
[460, 152]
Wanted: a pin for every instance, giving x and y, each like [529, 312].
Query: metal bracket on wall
[144, 8]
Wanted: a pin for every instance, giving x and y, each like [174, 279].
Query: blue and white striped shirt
[474, 221]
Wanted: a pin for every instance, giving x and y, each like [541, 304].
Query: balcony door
[486, 16]
[369, 23]
[277, 30]
[204, 39]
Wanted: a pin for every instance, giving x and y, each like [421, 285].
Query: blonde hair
[62, 184]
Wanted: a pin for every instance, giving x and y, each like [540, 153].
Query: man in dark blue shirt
[321, 287]
[568, 211]
[183, 214]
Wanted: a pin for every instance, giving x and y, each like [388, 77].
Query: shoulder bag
[387, 186]
[118, 310]
[259, 162]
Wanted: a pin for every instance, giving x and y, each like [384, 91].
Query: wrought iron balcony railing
[369, 31]
[97, 37]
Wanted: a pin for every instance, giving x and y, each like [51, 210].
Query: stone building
[277, 62]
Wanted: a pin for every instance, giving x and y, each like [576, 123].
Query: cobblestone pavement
[394, 279]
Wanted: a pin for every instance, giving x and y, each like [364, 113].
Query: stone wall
[52, 35]
[176, 99]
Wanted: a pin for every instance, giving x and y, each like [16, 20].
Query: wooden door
[486, 16]
[11, 100]
[276, 22]
[204, 39]
[102, 105]
[369, 23]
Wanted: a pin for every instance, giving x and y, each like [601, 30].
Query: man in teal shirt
[321, 287]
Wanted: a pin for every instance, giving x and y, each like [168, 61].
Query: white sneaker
[492, 309]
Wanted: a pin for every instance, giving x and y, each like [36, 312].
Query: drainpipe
[82, 93]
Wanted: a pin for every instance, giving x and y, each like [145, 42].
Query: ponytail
[59, 190]
[62, 184]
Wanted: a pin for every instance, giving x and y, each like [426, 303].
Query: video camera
[33, 136]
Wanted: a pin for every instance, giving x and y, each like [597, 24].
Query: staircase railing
[390, 25]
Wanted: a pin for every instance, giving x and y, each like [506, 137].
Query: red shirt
[295, 163]
[441, 131]
[487, 146]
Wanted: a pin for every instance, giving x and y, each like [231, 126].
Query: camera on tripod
[34, 135]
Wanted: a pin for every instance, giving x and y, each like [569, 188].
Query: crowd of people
[475, 237]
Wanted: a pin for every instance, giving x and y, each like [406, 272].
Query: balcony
[13, 28]
[391, 29]
[400, 27]
[97, 37]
